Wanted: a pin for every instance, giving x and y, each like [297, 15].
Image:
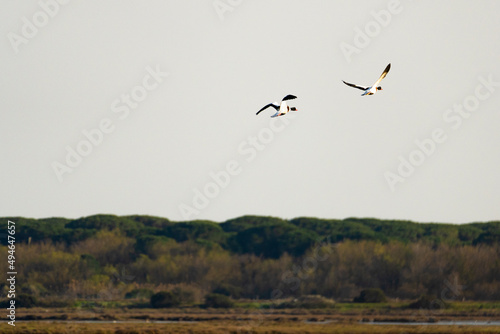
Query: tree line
[111, 257]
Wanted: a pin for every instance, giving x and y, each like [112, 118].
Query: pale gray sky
[69, 68]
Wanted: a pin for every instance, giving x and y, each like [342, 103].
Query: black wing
[289, 97]
[383, 74]
[267, 106]
[386, 70]
[352, 85]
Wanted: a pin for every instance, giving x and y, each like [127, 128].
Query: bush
[217, 300]
[371, 296]
[139, 294]
[229, 290]
[164, 299]
[25, 300]
[428, 302]
[184, 295]
[33, 289]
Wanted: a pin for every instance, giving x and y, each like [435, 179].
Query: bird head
[294, 109]
[379, 88]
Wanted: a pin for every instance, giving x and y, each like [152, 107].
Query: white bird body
[373, 88]
[282, 108]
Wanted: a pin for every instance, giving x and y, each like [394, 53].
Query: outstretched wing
[267, 106]
[289, 97]
[383, 75]
[352, 85]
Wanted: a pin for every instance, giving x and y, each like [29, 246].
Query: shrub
[183, 295]
[217, 300]
[428, 302]
[139, 293]
[371, 296]
[228, 290]
[25, 300]
[33, 289]
[164, 299]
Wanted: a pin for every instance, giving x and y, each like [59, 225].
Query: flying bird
[372, 89]
[281, 109]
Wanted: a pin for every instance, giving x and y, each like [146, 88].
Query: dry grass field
[237, 327]
[347, 318]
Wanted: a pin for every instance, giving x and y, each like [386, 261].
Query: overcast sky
[148, 107]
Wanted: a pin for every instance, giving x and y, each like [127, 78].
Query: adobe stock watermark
[223, 7]
[363, 37]
[122, 107]
[247, 150]
[30, 27]
[454, 118]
